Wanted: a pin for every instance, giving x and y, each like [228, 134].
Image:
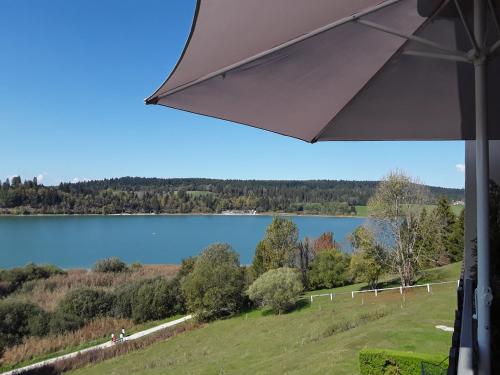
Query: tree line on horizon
[192, 195]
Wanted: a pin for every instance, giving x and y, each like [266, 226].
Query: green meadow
[322, 337]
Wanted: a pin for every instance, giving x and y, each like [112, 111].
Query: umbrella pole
[483, 291]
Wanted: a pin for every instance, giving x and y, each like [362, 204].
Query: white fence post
[428, 285]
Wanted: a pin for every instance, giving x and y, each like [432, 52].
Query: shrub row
[113, 264]
[13, 279]
[391, 362]
[150, 299]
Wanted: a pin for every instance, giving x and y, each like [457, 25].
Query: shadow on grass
[299, 305]
[392, 283]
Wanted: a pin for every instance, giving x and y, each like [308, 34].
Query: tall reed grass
[48, 292]
[37, 346]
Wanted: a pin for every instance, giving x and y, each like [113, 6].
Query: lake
[78, 241]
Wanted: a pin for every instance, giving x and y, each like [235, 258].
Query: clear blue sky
[73, 76]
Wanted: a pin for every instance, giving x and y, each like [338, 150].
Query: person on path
[113, 338]
[122, 336]
[123, 332]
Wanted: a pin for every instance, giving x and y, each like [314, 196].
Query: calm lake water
[78, 241]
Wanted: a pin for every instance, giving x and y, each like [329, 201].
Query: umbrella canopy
[334, 70]
[328, 70]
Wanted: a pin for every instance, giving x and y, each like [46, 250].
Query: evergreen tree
[445, 220]
[258, 261]
[458, 238]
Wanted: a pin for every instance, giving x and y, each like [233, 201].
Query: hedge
[391, 362]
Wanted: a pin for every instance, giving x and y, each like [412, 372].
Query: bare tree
[395, 213]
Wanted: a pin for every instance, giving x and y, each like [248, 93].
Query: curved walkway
[105, 345]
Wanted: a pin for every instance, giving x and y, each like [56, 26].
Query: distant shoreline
[189, 214]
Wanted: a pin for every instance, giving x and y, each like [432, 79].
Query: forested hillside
[191, 195]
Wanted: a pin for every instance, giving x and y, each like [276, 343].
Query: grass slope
[323, 337]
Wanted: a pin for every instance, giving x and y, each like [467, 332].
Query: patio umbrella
[328, 70]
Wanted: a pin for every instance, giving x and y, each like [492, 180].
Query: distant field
[319, 338]
[363, 210]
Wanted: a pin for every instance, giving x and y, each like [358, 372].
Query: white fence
[376, 291]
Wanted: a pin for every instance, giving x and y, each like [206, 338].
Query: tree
[329, 269]
[15, 181]
[258, 267]
[303, 259]
[277, 289]
[215, 286]
[325, 242]
[279, 243]
[445, 221]
[395, 209]
[368, 260]
[458, 238]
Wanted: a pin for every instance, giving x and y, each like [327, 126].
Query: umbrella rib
[467, 27]
[279, 47]
[494, 47]
[413, 38]
[440, 56]
[494, 15]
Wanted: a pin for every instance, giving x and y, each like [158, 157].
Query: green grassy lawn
[362, 211]
[318, 338]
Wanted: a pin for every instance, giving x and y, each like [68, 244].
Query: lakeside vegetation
[44, 314]
[323, 337]
[129, 195]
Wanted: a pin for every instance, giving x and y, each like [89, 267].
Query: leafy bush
[329, 269]
[86, 304]
[157, 299]
[391, 362]
[13, 279]
[125, 297]
[149, 300]
[61, 322]
[19, 319]
[187, 266]
[277, 289]
[215, 286]
[113, 264]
